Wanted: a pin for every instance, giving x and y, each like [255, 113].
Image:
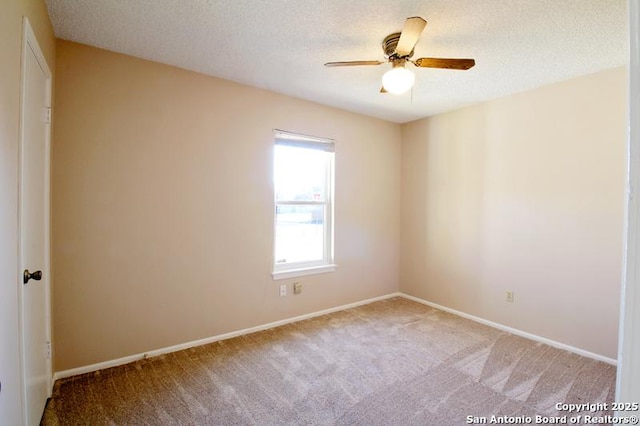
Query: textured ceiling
[281, 45]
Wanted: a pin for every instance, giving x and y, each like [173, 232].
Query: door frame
[628, 383]
[30, 44]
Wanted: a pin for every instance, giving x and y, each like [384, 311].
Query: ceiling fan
[398, 48]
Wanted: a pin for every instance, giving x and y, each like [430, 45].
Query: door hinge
[48, 349]
[47, 115]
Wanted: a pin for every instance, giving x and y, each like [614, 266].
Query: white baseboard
[131, 358]
[125, 360]
[514, 331]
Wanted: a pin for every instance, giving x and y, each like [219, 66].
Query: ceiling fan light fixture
[398, 48]
[398, 80]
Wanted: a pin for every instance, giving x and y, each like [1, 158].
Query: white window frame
[326, 264]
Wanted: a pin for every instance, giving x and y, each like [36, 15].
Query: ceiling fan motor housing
[389, 45]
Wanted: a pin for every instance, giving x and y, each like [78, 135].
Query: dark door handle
[26, 276]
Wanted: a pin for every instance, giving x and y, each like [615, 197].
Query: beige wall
[524, 193]
[163, 206]
[11, 15]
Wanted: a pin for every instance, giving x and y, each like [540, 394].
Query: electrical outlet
[297, 288]
[509, 296]
[283, 290]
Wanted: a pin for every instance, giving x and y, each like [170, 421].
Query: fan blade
[410, 33]
[352, 63]
[452, 64]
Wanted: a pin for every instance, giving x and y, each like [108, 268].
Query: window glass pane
[299, 233]
[299, 173]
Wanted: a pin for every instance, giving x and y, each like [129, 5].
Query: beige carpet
[394, 362]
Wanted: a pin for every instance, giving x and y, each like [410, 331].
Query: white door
[34, 228]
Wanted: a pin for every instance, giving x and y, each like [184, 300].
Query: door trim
[30, 44]
[628, 384]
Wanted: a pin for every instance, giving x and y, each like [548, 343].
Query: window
[303, 184]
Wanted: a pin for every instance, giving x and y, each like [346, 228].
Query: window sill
[292, 273]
